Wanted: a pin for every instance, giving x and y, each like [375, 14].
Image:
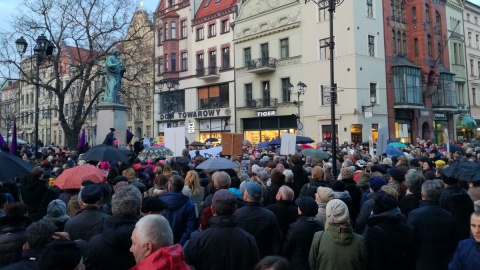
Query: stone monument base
[112, 115]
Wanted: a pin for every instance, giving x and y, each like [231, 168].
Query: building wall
[470, 12]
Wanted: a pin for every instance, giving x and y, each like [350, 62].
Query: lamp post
[170, 85]
[331, 5]
[43, 47]
[302, 88]
[373, 101]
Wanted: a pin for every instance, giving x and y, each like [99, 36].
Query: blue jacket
[181, 215]
[467, 256]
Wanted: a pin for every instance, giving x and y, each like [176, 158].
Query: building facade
[471, 16]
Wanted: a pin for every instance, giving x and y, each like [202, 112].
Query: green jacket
[337, 248]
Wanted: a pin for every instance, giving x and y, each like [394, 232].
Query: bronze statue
[115, 72]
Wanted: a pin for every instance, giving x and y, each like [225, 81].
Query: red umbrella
[305, 146]
[73, 178]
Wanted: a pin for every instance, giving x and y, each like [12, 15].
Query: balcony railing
[208, 72]
[409, 96]
[261, 65]
[261, 103]
[446, 99]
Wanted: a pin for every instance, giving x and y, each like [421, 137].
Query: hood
[117, 231]
[182, 161]
[175, 200]
[390, 215]
[341, 194]
[341, 235]
[166, 258]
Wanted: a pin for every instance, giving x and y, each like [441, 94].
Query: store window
[172, 101]
[215, 96]
[327, 133]
[213, 128]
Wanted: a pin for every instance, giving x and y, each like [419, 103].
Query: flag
[2, 142]
[13, 145]
[129, 136]
[82, 142]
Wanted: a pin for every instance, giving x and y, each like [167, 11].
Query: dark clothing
[429, 174]
[434, 235]
[286, 213]
[36, 195]
[12, 238]
[300, 178]
[365, 213]
[86, 224]
[356, 195]
[389, 242]
[270, 195]
[313, 182]
[111, 248]
[210, 250]
[137, 147]
[181, 215]
[299, 241]
[457, 202]
[109, 139]
[29, 260]
[263, 225]
[467, 256]
[410, 202]
[180, 162]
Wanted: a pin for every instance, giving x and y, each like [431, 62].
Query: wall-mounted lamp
[373, 101]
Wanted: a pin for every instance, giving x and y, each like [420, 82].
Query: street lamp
[302, 88]
[170, 85]
[44, 47]
[373, 101]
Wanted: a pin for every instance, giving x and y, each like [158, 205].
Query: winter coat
[299, 241]
[111, 248]
[467, 256]
[365, 213]
[208, 249]
[180, 162]
[300, 178]
[456, 200]
[434, 236]
[410, 202]
[86, 224]
[165, 258]
[337, 248]
[286, 213]
[270, 195]
[36, 195]
[12, 238]
[29, 260]
[389, 242]
[313, 182]
[263, 225]
[322, 213]
[181, 215]
[356, 195]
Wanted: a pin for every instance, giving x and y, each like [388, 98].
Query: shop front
[466, 127]
[403, 125]
[268, 126]
[440, 124]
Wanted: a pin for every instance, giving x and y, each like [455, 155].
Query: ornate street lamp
[169, 86]
[301, 89]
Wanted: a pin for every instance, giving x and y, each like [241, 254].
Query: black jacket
[111, 248]
[286, 213]
[434, 236]
[36, 195]
[270, 195]
[109, 139]
[456, 200]
[410, 202]
[12, 238]
[29, 260]
[313, 182]
[356, 195]
[299, 241]
[86, 224]
[300, 178]
[208, 249]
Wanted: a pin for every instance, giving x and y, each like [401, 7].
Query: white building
[471, 17]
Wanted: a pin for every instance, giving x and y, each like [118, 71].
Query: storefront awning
[466, 122]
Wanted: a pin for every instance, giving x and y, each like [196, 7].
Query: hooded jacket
[12, 238]
[181, 215]
[166, 258]
[111, 248]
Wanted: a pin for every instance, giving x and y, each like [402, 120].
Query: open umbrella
[246, 142]
[152, 153]
[217, 164]
[315, 153]
[306, 146]
[454, 148]
[392, 151]
[73, 178]
[397, 144]
[195, 143]
[103, 152]
[263, 144]
[275, 142]
[302, 139]
[211, 140]
[12, 166]
[465, 170]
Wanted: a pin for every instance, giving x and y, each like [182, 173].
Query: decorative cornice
[214, 16]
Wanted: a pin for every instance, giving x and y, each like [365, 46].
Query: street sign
[191, 128]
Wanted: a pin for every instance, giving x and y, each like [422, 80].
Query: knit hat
[415, 162]
[310, 192]
[440, 163]
[376, 183]
[140, 186]
[397, 174]
[57, 211]
[337, 212]
[347, 173]
[60, 254]
[263, 175]
[254, 189]
[325, 194]
[383, 202]
[307, 206]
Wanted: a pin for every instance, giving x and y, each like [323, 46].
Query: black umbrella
[127, 152]
[197, 144]
[217, 164]
[465, 170]
[211, 140]
[12, 166]
[302, 139]
[454, 148]
[103, 152]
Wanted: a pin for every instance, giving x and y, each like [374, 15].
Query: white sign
[191, 128]
[266, 113]
[175, 140]
[382, 140]
[288, 144]
[368, 114]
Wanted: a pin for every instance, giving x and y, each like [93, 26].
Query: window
[174, 30]
[165, 33]
[324, 49]
[160, 65]
[469, 39]
[471, 67]
[414, 15]
[174, 99]
[322, 14]
[474, 96]
[226, 58]
[148, 111]
[200, 65]
[478, 67]
[285, 92]
[200, 33]
[439, 51]
[212, 61]
[247, 56]
[174, 62]
[266, 93]
[284, 53]
[325, 94]
[214, 96]
[225, 26]
[370, 8]
[373, 90]
[149, 131]
[429, 45]
[166, 62]
[249, 94]
[394, 44]
[477, 41]
[184, 28]
[170, 3]
[184, 61]
[468, 17]
[129, 115]
[265, 54]
[160, 36]
[371, 46]
[407, 85]
[399, 43]
[212, 30]
[427, 13]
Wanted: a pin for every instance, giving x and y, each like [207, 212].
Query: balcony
[408, 97]
[261, 65]
[261, 103]
[208, 73]
[444, 100]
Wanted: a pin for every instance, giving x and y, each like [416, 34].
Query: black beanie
[383, 202]
[60, 254]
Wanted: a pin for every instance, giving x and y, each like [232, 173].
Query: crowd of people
[270, 212]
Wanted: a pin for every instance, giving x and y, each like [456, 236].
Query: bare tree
[84, 33]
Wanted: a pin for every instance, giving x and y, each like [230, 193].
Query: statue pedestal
[112, 115]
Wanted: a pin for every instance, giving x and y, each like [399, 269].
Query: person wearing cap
[259, 222]
[300, 234]
[428, 168]
[284, 209]
[397, 181]
[57, 213]
[204, 249]
[322, 197]
[376, 184]
[110, 137]
[89, 221]
[338, 247]
[151, 205]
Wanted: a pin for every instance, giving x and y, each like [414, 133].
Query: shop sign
[440, 116]
[266, 113]
[194, 114]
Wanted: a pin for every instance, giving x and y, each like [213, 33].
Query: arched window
[438, 19]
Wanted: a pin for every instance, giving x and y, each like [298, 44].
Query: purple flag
[129, 136]
[82, 143]
[2, 141]
[13, 145]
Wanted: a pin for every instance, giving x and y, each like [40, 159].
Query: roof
[12, 85]
[211, 6]
[76, 55]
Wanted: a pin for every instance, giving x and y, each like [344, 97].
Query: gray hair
[286, 192]
[126, 201]
[221, 180]
[347, 163]
[288, 176]
[414, 179]
[387, 161]
[156, 230]
[431, 190]
[375, 159]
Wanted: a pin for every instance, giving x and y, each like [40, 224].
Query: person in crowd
[355, 193]
[36, 193]
[179, 162]
[467, 255]
[13, 232]
[57, 213]
[62, 254]
[428, 170]
[318, 180]
[159, 186]
[474, 190]
[284, 210]
[239, 252]
[192, 182]
[152, 205]
[397, 181]
[153, 248]
[403, 164]
[322, 197]
[109, 137]
[300, 234]
[376, 184]
[110, 249]
[181, 211]
[90, 221]
[259, 222]
[433, 229]
[277, 179]
[338, 247]
[273, 263]
[300, 176]
[413, 196]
